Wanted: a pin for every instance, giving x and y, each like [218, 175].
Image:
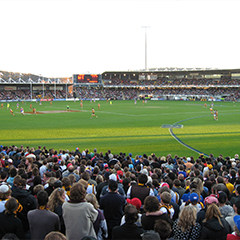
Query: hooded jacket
[213, 230]
[28, 202]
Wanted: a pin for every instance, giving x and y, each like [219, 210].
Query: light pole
[146, 27]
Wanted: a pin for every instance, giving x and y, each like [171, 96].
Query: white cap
[10, 160]
[4, 188]
[113, 177]
[144, 171]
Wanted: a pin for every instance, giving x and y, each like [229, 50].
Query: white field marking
[185, 145]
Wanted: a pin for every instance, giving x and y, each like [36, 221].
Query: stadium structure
[155, 84]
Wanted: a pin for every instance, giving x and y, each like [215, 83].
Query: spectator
[9, 222]
[140, 190]
[236, 234]
[56, 200]
[137, 203]
[163, 228]
[27, 201]
[214, 226]
[100, 225]
[5, 194]
[229, 219]
[226, 210]
[129, 229]
[152, 213]
[39, 227]
[55, 236]
[78, 214]
[186, 227]
[112, 205]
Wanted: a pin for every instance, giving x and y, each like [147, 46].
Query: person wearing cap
[227, 182]
[120, 189]
[129, 230]
[193, 187]
[5, 194]
[188, 164]
[77, 152]
[112, 205]
[193, 201]
[214, 226]
[229, 219]
[202, 213]
[235, 235]
[137, 203]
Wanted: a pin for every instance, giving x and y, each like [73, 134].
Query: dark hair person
[9, 222]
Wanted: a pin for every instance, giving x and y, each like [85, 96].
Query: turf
[126, 127]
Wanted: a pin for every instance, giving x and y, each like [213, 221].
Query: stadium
[95, 147]
[150, 96]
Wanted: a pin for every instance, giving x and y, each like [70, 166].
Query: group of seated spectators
[134, 93]
[230, 94]
[50, 194]
[165, 81]
[26, 94]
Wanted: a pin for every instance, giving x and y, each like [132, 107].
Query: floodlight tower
[146, 27]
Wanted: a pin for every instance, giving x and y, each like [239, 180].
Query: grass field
[126, 127]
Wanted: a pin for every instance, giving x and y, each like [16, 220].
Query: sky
[58, 38]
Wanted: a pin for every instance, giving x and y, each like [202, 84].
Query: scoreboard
[86, 78]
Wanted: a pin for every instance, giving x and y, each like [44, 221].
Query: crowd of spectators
[26, 94]
[165, 81]
[134, 93]
[128, 89]
[230, 94]
[79, 194]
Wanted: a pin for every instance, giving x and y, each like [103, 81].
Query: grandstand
[157, 84]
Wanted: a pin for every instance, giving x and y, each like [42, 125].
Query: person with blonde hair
[79, 215]
[214, 225]
[100, 225]
[55, 202]
[55, 236]
[185, 227]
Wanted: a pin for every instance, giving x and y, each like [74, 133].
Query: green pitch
[126, 127]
